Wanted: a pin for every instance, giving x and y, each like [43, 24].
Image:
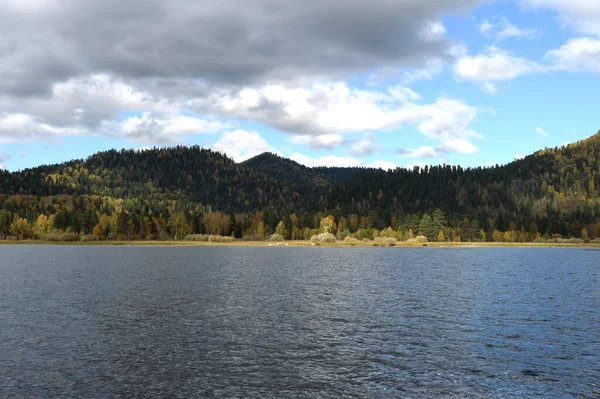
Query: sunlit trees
[328, 225]
[166, 193]
[295, 226]
[441, 237]
[218, 223]
[43, 225]
[21, 229]
[98, 231]
[281, 230]
[178, 224]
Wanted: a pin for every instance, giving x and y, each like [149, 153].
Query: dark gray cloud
[225, 42]
[73, 67]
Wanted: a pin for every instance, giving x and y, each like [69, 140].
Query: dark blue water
[104, 322]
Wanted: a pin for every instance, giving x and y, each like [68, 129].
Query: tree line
[170, 193]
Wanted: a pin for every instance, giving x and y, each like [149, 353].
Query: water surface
[222, 322]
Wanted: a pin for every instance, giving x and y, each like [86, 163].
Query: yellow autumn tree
[328, 224]
[43, 225]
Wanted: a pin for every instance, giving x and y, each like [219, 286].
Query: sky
[379, 83]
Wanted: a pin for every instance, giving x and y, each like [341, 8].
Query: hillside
[553, 191]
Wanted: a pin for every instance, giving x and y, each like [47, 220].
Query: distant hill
[550, 191]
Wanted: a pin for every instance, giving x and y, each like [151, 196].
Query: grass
[304, 244]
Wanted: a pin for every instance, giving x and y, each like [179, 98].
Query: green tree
[5, 223]
[427, 228]
[179, 226]
[295, 226]
[281, 230]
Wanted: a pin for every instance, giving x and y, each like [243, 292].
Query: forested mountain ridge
[549, 193]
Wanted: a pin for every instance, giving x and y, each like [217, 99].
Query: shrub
[326, 237]
[61, 237]
[276, 237]
[418, 240]
[323, 238]
[253, 237]
[196, 237]
[342, 235]
[351, 240]
[215, 238]
[90, 238]
[208, 238]
[539, 240]
[390, 241]
[364, 233]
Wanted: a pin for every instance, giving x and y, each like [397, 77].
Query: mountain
[553, 191]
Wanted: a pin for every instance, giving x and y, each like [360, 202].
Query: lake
[279, 322]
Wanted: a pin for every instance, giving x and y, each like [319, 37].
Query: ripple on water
[301, 322]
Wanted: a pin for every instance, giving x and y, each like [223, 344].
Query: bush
[390, 241]
[214, 238]
[61, 237]
[366, 241]
[90, 238]
[196, 237]
[253, 237]
[418, 240]
[276, 237]
[208, 238]
[351, 240]
[323, 238]
[342, 235]
[540, 240]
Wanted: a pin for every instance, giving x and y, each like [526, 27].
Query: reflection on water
[299, 322]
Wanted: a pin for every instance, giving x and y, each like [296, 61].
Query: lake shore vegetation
[189, 194]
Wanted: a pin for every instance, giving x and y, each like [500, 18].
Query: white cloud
[168, 129]
[87, 106]
[366, 146]
[340, 161]
[328, 160]
[326, 141]
[505, 30]
[3, 159]
[581, 15]
[541, 132]
[495, 65]
[335, 109]
[577, 55]
[509, 31]
[21, 127]
[422, 152]
[431, 70]
[520, 156]
[449, 121]
[241, 145]
[489, 88]
[485, 28]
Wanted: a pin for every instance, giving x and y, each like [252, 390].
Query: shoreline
[303, 244]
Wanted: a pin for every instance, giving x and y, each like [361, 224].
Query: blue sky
[467, 82]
